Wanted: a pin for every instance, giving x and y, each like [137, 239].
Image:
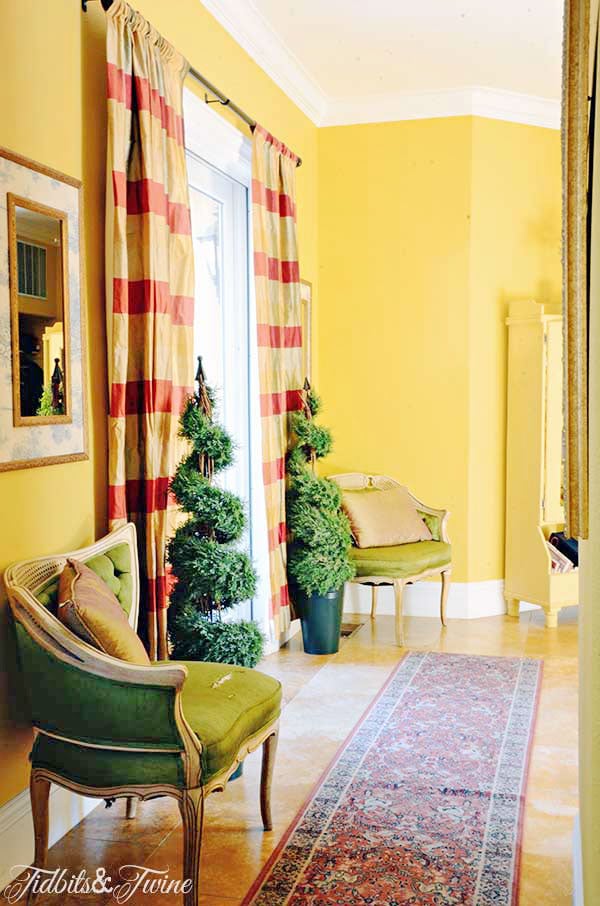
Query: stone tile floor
[325, 697]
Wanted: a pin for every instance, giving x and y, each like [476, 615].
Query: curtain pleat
[279, 316]
[150, 292]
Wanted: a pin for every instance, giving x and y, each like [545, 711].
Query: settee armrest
[133, 709]
[435, 520]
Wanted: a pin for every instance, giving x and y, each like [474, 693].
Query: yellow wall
[589, 626]
[393, 263]
[427, 229]
[49, 508]
[53, 110]
[515, 254]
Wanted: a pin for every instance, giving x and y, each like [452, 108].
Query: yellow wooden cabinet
[534, 447]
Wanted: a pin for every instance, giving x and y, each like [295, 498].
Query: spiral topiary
[320, 539]
[212, 574]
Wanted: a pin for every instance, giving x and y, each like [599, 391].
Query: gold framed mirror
[39, 312]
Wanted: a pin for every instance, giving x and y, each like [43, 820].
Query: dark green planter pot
[321, 620]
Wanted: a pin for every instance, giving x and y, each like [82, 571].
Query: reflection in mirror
[39, 303]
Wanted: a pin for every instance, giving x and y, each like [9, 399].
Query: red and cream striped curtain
[150, 290]
[279, 316]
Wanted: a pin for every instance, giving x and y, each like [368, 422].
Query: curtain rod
[219, 97]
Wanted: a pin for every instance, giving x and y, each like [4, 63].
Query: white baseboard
[271, 646]
[578, 898]
[466, 600]
[16, 827]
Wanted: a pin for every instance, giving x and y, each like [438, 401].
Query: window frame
[212, 139]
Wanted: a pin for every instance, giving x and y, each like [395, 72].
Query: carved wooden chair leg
[398, 589]
[192, 813]
[373, 601]
[131, 808]
[444, 599]
[266, 777]
[39, 789]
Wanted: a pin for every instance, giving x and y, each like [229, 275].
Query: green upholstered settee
[402, 564]
[111, 729]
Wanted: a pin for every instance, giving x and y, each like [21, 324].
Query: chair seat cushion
[401, 560]
[226, 705]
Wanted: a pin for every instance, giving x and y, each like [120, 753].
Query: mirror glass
[40, 313]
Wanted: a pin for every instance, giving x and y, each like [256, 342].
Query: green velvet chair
[402, 564]
[111, 729]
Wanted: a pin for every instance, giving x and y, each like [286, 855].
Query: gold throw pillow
[87, 606]
[382, 518]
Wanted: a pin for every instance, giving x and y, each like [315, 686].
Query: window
[219, 207]
[31, 265]
[219, 174]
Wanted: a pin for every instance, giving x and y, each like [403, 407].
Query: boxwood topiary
[212, 573]
[320, 539]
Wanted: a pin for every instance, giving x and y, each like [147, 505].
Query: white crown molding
[254, 34]
[472, 101]
[516, 108]
[387, 108]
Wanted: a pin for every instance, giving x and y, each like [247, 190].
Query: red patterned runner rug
[424, 802]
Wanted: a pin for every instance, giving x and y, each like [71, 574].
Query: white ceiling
[422, 45]
[356, 61]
